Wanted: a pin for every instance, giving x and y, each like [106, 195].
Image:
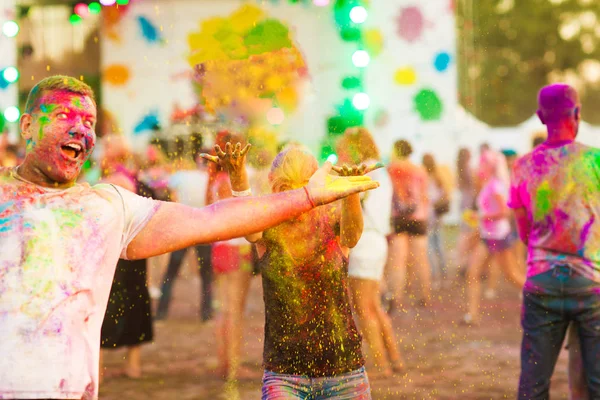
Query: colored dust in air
[244, 58]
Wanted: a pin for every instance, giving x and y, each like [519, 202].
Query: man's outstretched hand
[324, 188]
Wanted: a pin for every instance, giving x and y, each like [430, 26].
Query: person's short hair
[56, 83]
[359, 144]
[402, 148]
[508, 153]
[557, 101]
[292, 169]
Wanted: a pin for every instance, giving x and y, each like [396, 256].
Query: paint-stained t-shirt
[309, 328]
[58, 252]
[560, 189]
[488, 205]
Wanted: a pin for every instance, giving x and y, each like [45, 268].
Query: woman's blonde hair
[292, 169]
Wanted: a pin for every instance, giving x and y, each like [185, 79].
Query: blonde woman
[368, 257]
[497, 244]
[311, 342]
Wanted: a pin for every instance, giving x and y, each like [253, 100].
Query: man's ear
[577, 114]
[25, 125]
[541, 117]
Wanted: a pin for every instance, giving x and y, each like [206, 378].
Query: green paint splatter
[48, 108]
[76, 101]
[542, 201]
[428, 105]
[43, 122]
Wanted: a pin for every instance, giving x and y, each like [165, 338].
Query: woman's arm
[351, 221]
[504, 210]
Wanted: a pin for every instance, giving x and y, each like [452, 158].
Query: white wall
[153, 68]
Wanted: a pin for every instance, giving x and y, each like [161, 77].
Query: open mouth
[72, 150]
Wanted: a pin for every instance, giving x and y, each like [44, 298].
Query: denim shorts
[350, 386]
[498, 245]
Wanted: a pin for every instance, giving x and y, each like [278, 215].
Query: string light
[74, 19]
[10, 29]
[321, 3]
[94, 8]
[12, 114]
[361, 58]
[10, 74]
[361, 101]
[107, 2]
[82, 10]
[358, 14]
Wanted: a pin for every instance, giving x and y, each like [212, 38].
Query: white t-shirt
[190, 187]
[58, 252]
[488, 205]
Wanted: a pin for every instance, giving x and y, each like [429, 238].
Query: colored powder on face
[43, 121]
[542, 201]
[76, 102]
[48, 108]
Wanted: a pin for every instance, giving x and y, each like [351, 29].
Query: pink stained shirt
[411, 184]
[58, 253]
[559, 187]
[488, 205]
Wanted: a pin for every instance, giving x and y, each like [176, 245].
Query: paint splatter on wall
[246, 57]
[405, 76]
[411, 24]
[148, 122]
[373, 40]
[116, 74]
[442, 61]
[150, 32]
[428, 105]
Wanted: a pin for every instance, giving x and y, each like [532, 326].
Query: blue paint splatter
[442, 61]
[147, 123]
[150, 32]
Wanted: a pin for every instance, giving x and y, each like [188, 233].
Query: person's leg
[168, 281]
[493, 277]
[351, 386]
[544, 328]
[577, 383]
[133, 366]
[417, 260]
[466, 243]
[387, 331]
[432, 257]
[236, 293]
[439, 250]
[364, 292]
[203, 252]
[222, 323]
[479, 259]
[285, 387]
[509, 265]
[583, 299]
[396, 268]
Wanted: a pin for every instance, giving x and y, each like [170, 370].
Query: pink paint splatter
[410, 24]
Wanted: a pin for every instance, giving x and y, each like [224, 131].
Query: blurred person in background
[439, 193]
[128, 318]
[408, 243]
[311, 342]
[188, 185]
[368, 258]
[469, 234]
[233, 269]
[497, 245]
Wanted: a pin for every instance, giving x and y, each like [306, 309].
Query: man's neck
[34, 175]
[560, 133]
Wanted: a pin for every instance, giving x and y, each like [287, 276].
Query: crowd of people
[532, 219]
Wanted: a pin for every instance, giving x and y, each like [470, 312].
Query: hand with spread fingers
[357, 170]
[325, 188]
[233, 160]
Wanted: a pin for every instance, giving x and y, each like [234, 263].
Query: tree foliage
[509, 49]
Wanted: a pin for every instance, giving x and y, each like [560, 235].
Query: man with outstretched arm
[60, 242]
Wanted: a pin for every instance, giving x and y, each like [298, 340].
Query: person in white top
[368, 258]
[494, 229]
[60, 242]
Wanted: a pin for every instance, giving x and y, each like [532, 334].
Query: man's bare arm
[176, 226]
